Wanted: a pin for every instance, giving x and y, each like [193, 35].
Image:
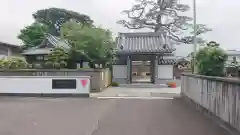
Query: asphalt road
[64, 116]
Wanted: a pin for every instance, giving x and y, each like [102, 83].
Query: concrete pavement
[73, 116]
[121, 92]
[155, 117]
[50, 116]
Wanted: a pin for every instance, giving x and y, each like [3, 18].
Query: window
[40, 58]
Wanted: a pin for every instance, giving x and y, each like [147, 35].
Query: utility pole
[195, 34]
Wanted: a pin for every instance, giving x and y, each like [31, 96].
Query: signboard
[64, 84]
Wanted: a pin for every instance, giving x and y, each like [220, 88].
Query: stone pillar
[9, 53]
[152, 71]
[155, 69]
[129, 70]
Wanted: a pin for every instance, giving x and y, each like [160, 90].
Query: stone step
[143, 85]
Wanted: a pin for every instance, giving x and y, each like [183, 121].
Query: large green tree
[210, 60]
[55, 17]
[33, 34]
[93, 43]
[164, 16]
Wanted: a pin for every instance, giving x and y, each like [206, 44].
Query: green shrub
[57, 59]
[13, 63]
[114, 84]
[4, 64]
[210, 60]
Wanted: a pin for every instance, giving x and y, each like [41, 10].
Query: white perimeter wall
[40, 84]
[165, 71]
[120, 71]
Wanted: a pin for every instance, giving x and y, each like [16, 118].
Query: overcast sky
[220, 15]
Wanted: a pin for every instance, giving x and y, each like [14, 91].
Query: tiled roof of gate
[166, 62]
[143, 42]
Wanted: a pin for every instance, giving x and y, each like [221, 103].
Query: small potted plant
[172, 84]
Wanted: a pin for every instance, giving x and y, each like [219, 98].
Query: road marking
[134, 98]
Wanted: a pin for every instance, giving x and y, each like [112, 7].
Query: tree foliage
[33, 34]
[55, 17]
[57, 59]
[93, 43]
[163, 16]
[213, 44]
[210, 60]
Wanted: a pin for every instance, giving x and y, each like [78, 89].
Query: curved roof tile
[143, 42]
[167, 62]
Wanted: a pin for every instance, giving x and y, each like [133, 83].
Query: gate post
[155, 69]
[129, 70]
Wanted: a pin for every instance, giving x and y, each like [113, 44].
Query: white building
[9, 50]
[233, 54]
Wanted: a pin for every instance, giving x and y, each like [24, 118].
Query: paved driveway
[121, 92]
[66, 116]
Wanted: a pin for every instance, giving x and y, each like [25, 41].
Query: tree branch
[151, 14]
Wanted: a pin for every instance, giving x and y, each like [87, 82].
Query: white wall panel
[120, 71]
[42, 84]
[165, 71]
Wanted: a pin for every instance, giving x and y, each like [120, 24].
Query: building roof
[233, 52]
[38, 51]
[10, 45]
[46, 49]
[167, 62]
[56, 41]
[182, 60]
[153, 42]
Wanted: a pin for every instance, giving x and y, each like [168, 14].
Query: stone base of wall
[53, 95]
[158, 81]
[210, 115]
[120, 80]
[164, 81]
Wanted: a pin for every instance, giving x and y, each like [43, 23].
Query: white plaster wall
[230, 59]
[40, 84]
[165, 71]
[3, 56]
[120, 71]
